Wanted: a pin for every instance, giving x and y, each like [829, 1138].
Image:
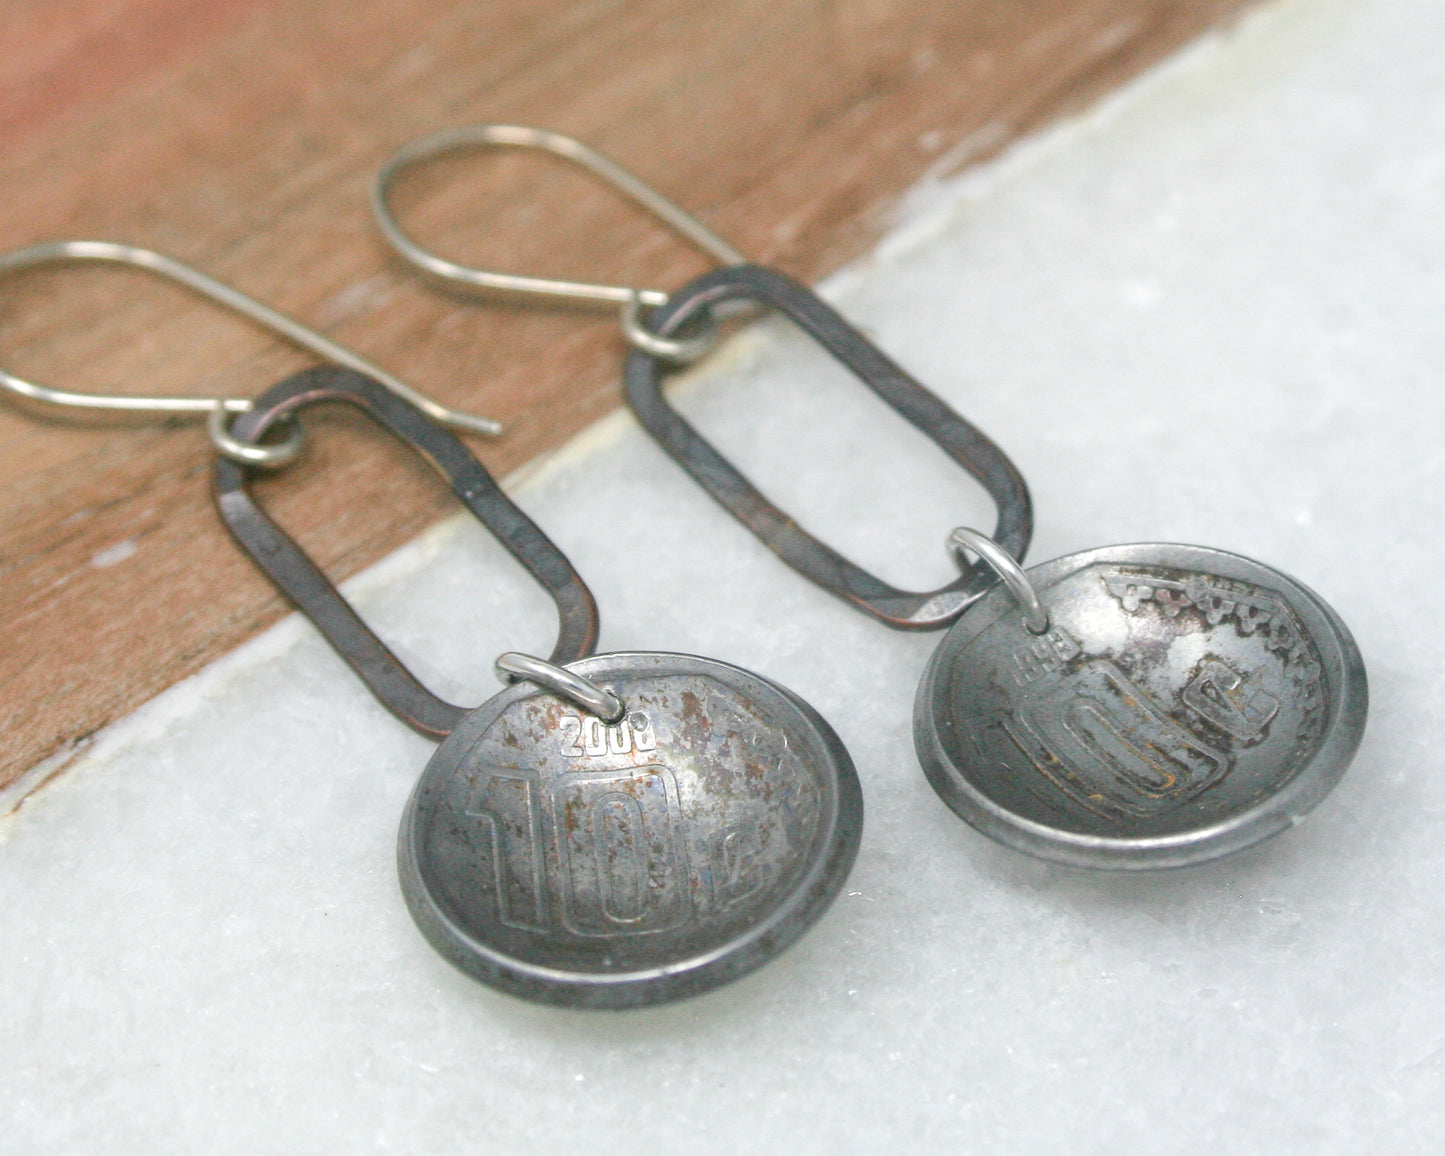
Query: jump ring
[266, 457]
[1036, 618]
[678, 351]
[586, 694]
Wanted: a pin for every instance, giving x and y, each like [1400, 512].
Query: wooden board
[241, 135]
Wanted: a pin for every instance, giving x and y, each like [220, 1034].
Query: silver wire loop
[1036, 618]
[486, 136]
[588, 695]
[677, 350]
[271, 456]
[60, 252]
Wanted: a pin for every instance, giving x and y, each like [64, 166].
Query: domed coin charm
[1172, 704]
[570, 861]
[610, 831]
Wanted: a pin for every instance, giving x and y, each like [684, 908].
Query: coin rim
[806, 901]
[940, 751]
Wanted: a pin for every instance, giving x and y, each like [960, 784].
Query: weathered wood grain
[240, 135]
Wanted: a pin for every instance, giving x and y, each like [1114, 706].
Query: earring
[608, 831]
[1153, 706]
[611, 830]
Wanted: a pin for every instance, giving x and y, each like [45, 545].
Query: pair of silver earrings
[625, 829]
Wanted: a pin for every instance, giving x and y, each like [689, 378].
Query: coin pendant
[571, 862]
[1183, 703]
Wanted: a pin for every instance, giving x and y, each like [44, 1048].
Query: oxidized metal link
[304, 584]
[959, 439]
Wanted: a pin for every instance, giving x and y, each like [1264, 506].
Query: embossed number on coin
[1183, 702]
[576, 862]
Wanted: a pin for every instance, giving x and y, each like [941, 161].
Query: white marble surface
[1211, 312]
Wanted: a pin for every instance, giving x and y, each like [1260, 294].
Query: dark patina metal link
[312, 592]
[959, 439]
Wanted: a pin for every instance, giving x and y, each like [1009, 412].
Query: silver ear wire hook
[217, 410]
[630, 300]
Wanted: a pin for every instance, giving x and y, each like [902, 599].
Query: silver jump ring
[588, 695]
[678, 351]
[266, 457]
[1036, 618]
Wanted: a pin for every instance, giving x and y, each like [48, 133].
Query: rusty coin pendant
[568, 861]
[1182, 703]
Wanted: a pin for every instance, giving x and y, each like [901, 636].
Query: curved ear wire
[631, 301]
[217, 409]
